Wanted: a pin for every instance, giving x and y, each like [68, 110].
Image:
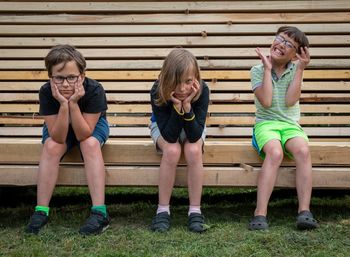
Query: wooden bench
[125, 43]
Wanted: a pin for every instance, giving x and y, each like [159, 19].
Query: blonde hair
[176, 65]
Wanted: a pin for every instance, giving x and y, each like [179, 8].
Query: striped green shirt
[278, 110]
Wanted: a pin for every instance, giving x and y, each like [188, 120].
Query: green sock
[45, 209]
[100, 208]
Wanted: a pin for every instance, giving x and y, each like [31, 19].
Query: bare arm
[264, 92]
[294, 90]
[83, 123]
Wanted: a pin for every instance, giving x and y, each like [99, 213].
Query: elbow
[266, 104]
[290, 103]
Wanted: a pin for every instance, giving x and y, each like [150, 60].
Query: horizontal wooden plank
[214, 97]
[144, 41]
[153, 75]
[209, 63]
[25, 175]
[167, 29]
[173, 6]
[122, 151]
[319, 133]
[213, 108]
[161, 53]
[218, 120]
[236, 17]
[145, 86]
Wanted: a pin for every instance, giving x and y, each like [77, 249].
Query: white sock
[194, 209]
[163, 208]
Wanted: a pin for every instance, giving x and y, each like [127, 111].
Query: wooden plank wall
[125, 43]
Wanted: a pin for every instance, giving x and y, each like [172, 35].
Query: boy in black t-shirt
[74, 109]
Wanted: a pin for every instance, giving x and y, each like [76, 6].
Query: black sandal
[196, 223]
[305, 220]
[161, 222]
[259, 222]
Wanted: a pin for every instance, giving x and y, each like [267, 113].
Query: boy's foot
[37, 221]
[305, 220]
[161, 222]
[95, 224]
[196, 223]
[259, 222]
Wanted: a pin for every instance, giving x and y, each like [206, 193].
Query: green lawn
[227, 211]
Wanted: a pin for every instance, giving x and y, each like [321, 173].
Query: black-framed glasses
[281, 40]
[71, 79]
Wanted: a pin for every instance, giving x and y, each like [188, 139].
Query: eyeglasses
[282, 40]
[71, 79]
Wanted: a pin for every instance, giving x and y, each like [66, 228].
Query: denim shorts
[155, 134]
[101, 133]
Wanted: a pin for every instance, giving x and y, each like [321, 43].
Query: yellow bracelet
[180, 113]
[192, 118]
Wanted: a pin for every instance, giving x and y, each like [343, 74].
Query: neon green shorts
[283, 131]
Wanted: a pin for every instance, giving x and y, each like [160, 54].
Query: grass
[227, 211]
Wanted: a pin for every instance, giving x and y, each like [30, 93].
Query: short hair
[175, 66]
[296, 34]
[63, 54]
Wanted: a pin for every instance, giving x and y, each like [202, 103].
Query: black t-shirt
[170, 123]
[94, 100]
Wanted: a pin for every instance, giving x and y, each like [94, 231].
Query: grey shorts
[155, 134]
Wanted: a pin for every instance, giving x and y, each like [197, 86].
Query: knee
[90, 146]
[54, 149]
[275, 155]
[193, 151]
[302, 153]
[172, 152]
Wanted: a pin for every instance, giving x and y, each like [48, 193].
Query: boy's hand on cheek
[303, 57]
[176, 102]
[79, 91]
[194, 90]
[56, 93]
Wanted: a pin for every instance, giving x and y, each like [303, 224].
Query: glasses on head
[282, 40]
[71, 79]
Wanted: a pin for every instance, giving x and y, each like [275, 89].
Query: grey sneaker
[37, 221]
[95, 224]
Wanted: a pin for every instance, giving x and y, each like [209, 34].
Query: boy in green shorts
[277, 86]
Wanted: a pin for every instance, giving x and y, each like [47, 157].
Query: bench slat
[148, 176]
[246, 17]
[153, 75]
[173, 6]
[158, 30]
[142, 41]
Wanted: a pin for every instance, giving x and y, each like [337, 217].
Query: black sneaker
[37, 221]
[95, 224]
[161, 222]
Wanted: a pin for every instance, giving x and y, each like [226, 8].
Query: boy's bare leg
[301, 153]
[167, 170]
[94, 169]
[194, 159]
[48, 170]
[268, 175]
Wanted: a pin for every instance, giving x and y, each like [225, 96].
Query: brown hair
[297, 35]
[176, 65]
[63, 54]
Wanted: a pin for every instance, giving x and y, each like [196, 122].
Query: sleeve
[96, 100]
[194, 121]
[48, 105]
[256, 76]
[169, 121]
